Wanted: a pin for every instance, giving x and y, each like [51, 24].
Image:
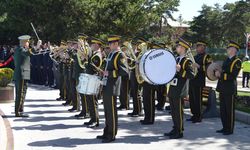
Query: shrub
[6, 76]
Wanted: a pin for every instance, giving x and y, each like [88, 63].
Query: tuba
[143, 47]
[191, 57]
[83, 52]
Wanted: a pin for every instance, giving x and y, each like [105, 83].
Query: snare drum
[88, 84]
[157, 66]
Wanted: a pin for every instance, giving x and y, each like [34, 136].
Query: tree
[63, 19]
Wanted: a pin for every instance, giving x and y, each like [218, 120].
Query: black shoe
[101, 137]
[227, 133]
[196, 120]
[176, 136]
[159, 108]
[167, 107]
[21, 115]
[93, 125]
[88, 123]
[143, 122]
[59, 99]
[65, 104]
[107, 140]
[81, 115]
[72, 109]
[133, 114]
[121, 107]
[172, 132]
[190, 119]
[220, 131]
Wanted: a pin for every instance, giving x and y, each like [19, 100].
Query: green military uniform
[21, 74]
[74, 81]
[177, 87]
[94, 62]
[227, 88]
[149, 97]
[134, 87]
[81, 69]
[124, 90]
[116, 66]
[197, 84]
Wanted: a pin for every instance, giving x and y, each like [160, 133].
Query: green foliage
[6, 76]
[217, 24]
[63, 19]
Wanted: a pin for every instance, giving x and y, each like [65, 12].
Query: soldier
[227, 88]
[74, 77]
[116, 66]
[81, 62]
[149, 97]
[93, 66]
[62, 89]
[197, 84]
[137, 103]
[184, 72]
[124, 90]
[22, 72]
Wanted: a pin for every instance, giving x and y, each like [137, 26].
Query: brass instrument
[191, 57]
[83, 52]
[143, 47]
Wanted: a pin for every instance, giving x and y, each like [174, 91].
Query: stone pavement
[50, 126]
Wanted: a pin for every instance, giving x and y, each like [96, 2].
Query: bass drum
[157, 66]
[212, 68]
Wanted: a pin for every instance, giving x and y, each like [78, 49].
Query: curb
[6, 134]
[242, 117]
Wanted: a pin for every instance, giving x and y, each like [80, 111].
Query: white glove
[39, 43]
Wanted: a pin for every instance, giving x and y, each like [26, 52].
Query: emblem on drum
[156, 55]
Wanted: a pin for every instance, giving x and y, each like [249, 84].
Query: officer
[184, 72]
[93, 67]
[22, 72]
[116, 66]
[227, 88]
[196, 85]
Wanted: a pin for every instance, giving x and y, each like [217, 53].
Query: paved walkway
[50, 126]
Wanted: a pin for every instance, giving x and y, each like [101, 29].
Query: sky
[189, 8]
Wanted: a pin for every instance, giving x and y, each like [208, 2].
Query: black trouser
[84, 110]
[137, 104]
[21, 89]
[161, 96]
[148, 102]
[110, 110]
[50, 76]
[227, 111]
[62, 85]
[68, 88]
[245, 79]
[124, 92]
[176, 106]
[74, 95]
[195, 99]
[93, 108]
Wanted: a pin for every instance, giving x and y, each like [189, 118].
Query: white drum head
[159, 66]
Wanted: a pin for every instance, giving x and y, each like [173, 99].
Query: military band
[118, 70]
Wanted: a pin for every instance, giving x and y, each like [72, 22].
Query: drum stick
[34, 30]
